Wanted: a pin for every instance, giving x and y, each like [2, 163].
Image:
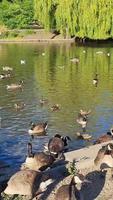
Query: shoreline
[37, 40]
[100, 186]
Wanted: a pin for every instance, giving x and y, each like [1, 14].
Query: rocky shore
[100, 187]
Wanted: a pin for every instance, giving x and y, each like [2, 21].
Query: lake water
[50, 74]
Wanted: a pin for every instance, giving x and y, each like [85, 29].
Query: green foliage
[11, 197]
[17, 14]
[83, 18]
[72, 168]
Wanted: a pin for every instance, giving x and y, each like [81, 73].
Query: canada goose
[37, 161]
[55, 107]
[38, 129]
[104, 157]
[4, 76]
[95, 80]
[14, 86]
[83, 136]
[22, 62]
[82, 120]
[105, 138]
[27, 182]
[6, 68]
[19, 106]
[75, 60]
[57, 144]
[70, 191]
[84, 113]
[43, 101]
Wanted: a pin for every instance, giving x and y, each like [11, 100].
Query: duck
[6, 68]
[57, 144]
[19, 106]
[104, 157]
[14, 86]
[55, 107]
[99, 52]
[95, 80]
[83, 136]
[70, 191]
[82, 120]
[43, 101]
[4, 76]
[75, 60]
[84, 112]
[37, 161]
[105, 138]
[27, 182]
[22, 62]
[38, 129]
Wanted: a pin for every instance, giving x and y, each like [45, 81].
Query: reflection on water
[49, 73]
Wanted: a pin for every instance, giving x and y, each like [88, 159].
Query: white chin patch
[109, 148]
[77, 179]
[30, 131]
[43, 185]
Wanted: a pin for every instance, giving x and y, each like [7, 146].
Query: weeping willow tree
[83, 18]
[44, 12]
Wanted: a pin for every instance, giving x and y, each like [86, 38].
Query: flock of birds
[30, 176]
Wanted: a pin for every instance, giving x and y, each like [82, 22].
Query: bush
[16, 15]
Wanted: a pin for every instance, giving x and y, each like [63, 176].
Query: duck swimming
[83, 136]
[19, 106]
[84, 112]
[82, 120]
[5, 76]
[43, 101]
[95, 80]
[38, 129]
[105, 138]
[55, 107]
[6, 68]
[14, 86]
[22, 62]
[74, 60]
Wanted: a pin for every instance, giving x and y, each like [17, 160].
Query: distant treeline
[81, 18]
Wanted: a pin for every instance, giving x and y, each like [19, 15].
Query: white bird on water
[22, 62]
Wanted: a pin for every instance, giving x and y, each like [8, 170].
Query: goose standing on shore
[57, 144]
[27, 182]
[37, 161]
[104, 157]
[105, 138]
[70, 191]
